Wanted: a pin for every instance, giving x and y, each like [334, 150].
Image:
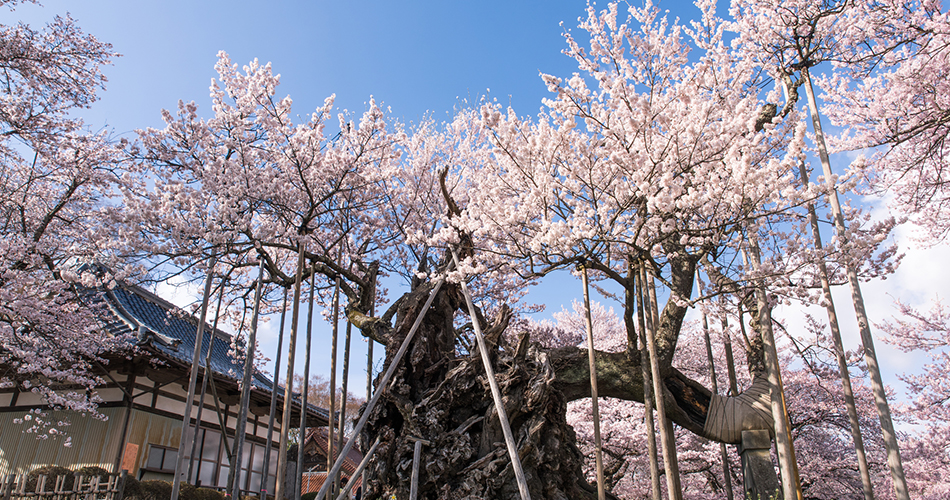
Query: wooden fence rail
[107, 487]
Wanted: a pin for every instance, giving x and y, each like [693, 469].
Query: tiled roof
[313, 481]
[171, 332]
[317, 438]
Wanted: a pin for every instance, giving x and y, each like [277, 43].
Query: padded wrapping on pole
[729, 416]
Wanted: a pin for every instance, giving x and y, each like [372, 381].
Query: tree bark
[439, 393]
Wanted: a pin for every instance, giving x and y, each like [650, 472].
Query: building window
[161, 459]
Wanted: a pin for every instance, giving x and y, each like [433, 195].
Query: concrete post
[759, 479]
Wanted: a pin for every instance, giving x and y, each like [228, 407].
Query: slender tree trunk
[647, 392]
[192, 381]
[667, 439]
[273, 401]
[598, 453]
[279, 493]
[791, 487]
[864, 326]
[241, 425]
[304, 395]
[726, 474]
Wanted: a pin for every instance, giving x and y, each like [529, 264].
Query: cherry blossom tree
[928, 469]
[665, 150]
[890, 94]
[56, 182]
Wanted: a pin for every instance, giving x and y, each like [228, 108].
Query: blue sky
[412, 56]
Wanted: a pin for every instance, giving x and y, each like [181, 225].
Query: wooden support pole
[843, 372]
[727, 346]
[192, 381]
[894, 462]
[304, 395]
[495, 391]
[726, 475]
[598, 452]
[667, 439]
[416, 459]
[647, 391]
[791, 487]
[358, 471]
[204, 382]
[241, 425]
[382, 387]
[335, 330]
[273, 402]
[344, 388]
[279, 488]
[369, 364]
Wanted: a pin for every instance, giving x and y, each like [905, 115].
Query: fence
[107, 487]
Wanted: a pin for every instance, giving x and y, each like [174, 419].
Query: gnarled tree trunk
[440, 394]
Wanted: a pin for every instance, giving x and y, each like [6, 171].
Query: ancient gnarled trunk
[442, 396]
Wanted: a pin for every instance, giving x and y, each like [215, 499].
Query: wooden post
[192, 381]
[727, 346]
[839, 349]
[333, 342]
[120, 488]
[369, 362]
[241, 426]
[9, 483]
[667, 439]
[304, 395]
[288, 389]
[785, 449]
[344, 389]
[727, 479]
[495, 391]
[591, 358]
[894, 462]
[647, 391]
[382, 387]
[358, 471]
[416, 459]
[205, 380]
[273, 403]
